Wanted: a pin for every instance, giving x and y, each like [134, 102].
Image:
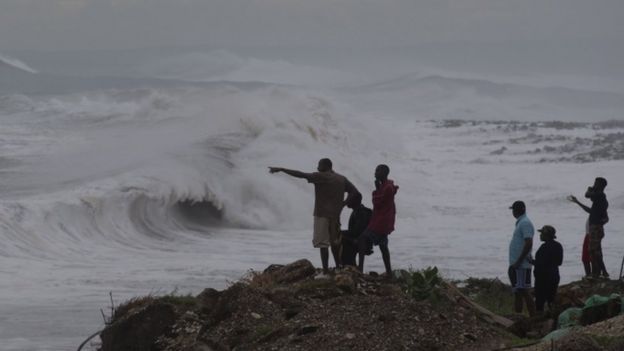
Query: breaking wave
[139, 167]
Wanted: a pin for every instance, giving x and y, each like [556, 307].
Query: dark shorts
[520, 278]
[376, 239]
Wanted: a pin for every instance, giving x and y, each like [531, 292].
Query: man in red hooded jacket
[382, 222]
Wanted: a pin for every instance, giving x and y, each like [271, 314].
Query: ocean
[123, 185]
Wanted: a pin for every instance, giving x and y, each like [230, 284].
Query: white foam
[223, 65]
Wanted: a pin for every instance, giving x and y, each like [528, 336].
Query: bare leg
[325, 260]
[603, 269]
[385, 255]
[595, 249]
[529, 302]
[361, 253]
[587, 267]
[522, 297]
[596, 265]
[518, 302]
[336, 252]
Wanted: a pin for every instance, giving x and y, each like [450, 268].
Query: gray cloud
[93, 24]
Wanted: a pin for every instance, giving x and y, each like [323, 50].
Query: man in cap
[548, 258]
[519, 253]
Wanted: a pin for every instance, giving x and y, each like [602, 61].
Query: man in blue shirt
[519, 254]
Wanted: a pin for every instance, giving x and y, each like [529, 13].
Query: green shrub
[423, 284]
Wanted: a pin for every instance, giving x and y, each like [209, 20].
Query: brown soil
[285, 308]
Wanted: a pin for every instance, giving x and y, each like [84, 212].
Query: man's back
[548, 258]
[329, 189]
[598, 212]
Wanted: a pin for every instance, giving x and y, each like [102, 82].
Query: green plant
[423, 284]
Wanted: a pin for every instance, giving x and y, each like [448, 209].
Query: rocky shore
[286, 308]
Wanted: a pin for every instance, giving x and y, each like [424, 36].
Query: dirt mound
[285, 308]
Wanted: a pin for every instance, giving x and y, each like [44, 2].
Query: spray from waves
[15, 63]
[154, 172]
[221, 65]
[441, 97]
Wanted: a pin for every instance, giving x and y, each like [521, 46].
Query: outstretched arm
[576, 201]
[290, 172]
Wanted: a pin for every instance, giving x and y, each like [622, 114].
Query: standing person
[358, 221]
[382, 221]
[548, 258]
[329, 189]
[519, 253]
[598, 217]
[585, 257]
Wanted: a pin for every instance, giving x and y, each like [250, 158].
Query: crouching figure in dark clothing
[358, 221]
[548, 258]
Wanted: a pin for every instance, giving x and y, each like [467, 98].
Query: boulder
[208, 299]
[292, 272]
[138, 330]
[345, 282]
[577, 342]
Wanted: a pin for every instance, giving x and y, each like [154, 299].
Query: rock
[273, 268]
[388, 290]
[292, 272]
[386, 317]
[274, 335]
[345, 282]
[256, 315]
[138, 330]
[208, 299]
[577, 342]
[469, 336]
[307, 329]
[292, 311]
[225, 305]
[350, 336]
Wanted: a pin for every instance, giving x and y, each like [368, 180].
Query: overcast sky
[122, 24]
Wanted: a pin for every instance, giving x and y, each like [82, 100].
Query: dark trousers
[545, 290]
[349, 250]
